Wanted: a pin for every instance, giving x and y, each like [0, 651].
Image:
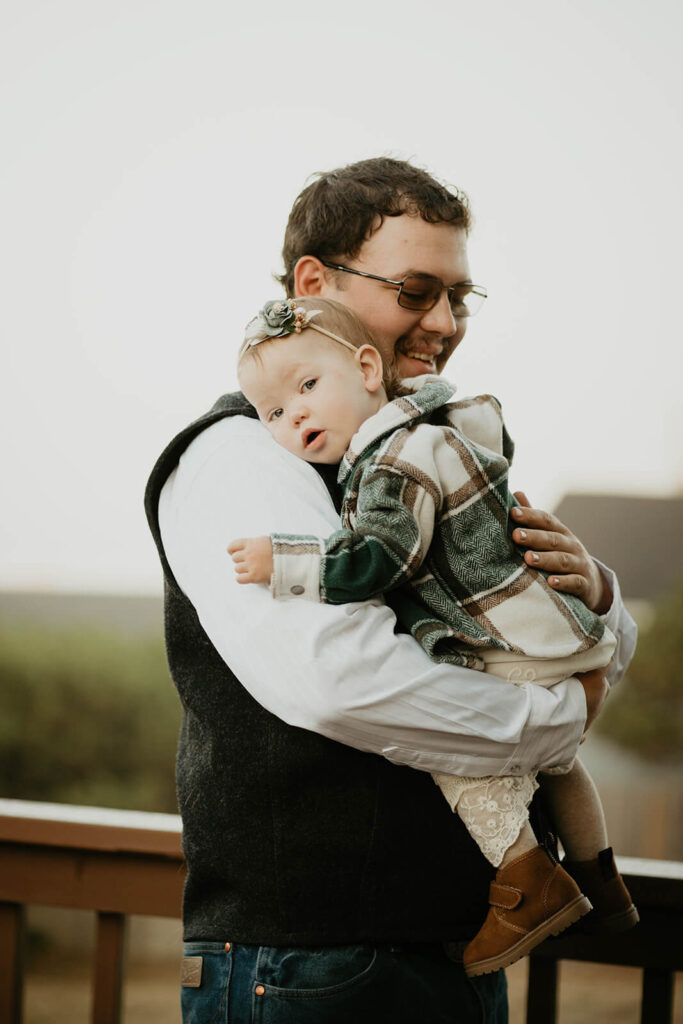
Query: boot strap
[505, 896]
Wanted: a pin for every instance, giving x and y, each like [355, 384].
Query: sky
[153, 151]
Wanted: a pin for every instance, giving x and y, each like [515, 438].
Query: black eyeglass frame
[476, 289]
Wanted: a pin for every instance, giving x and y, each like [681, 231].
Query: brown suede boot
[613, 909]
[530, 899]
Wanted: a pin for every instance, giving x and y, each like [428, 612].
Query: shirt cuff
[557, 717]
[296, 568]
[619, 622]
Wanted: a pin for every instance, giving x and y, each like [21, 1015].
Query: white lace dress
[493, 809]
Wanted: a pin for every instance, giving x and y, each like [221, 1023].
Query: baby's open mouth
[311, 436]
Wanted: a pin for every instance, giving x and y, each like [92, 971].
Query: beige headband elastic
[335, 337]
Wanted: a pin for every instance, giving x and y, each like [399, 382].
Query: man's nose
[439, 319]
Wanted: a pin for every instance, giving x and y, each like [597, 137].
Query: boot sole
[552, 926]
[612, 924]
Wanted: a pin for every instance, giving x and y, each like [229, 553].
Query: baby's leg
[576, 808]
[532, 896]
[577, 811]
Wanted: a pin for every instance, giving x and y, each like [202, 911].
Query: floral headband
[280, 317]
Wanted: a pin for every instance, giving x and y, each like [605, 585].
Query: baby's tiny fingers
[236, 545]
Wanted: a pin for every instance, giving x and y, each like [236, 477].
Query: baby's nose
[299, 413]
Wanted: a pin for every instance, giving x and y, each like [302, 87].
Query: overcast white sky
[153, 150]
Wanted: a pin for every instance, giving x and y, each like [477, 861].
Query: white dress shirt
[341, 670]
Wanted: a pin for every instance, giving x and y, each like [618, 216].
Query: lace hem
[494, 810]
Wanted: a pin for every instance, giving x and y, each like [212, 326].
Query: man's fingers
[596, 689]
[555, 561]
[537, 519]
[522, 499]
[569, 584]
[553, 548]
[543, 540]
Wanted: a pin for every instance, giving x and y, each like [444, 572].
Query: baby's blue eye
[309, 384]
[275, 414]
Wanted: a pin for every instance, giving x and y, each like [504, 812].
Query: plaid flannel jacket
[425, 521]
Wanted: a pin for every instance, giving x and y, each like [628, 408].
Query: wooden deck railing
[116, 863]
[120, 863]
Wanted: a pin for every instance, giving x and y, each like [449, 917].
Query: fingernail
[554, 580]
[522, 534]
[534, 556]
[517, 511]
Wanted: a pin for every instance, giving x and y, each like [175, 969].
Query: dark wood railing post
[109, 961]
[658, 996]
[541, 993]
[12, 919]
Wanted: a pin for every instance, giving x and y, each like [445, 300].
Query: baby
[425, 521]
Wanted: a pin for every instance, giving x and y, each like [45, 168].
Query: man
[320, 854]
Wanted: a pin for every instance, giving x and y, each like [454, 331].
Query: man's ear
[370, 364]
[309, 276]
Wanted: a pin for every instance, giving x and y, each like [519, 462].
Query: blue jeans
[361, 984]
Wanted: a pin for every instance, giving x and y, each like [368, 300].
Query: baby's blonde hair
[338, 319]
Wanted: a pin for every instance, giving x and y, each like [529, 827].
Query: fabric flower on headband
[281, 317]
[278, 318]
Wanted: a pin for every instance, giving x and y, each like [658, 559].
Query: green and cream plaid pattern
[425, 521]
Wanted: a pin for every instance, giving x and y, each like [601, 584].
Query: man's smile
[423, 351]
[424, 357]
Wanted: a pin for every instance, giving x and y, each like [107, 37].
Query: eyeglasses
[421, 292]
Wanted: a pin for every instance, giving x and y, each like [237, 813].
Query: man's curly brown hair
[339, 210]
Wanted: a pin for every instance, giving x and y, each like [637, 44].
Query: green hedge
[645, 712]
[87, 718]
[93, 718]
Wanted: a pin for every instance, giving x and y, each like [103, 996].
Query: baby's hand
[253, 558]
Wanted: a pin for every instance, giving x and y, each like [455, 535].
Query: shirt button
[228, 947]
[259, 990]
[297, 589]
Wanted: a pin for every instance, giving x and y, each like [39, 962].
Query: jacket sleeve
[385, 546]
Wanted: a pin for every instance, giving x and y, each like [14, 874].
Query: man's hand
[253, 558]
[555, 549]
[596, 688]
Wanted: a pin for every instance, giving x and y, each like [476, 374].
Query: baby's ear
[370, 364]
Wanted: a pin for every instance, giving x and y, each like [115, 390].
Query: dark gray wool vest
[291, 838]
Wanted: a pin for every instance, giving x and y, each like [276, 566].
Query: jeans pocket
[315, 972]
[204, 988]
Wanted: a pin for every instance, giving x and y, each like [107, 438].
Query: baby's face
[310, 393]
